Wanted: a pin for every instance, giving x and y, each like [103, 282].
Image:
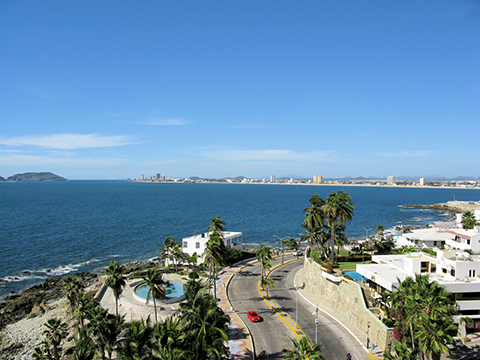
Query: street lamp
[296, 308]
[316, 324]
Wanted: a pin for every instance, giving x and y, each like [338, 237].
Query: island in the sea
[35, 176]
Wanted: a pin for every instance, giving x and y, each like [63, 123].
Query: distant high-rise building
[142, 177]
[422, 181]
[272, 178]
[158, 176]
[391, 180]
[318, 179]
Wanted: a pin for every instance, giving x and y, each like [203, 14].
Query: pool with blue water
[174, 290]
[354, 275]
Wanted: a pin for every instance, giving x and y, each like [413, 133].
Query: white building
[272, 178]
[457, 271]
[422, 181]
[391, 180]
[197, 243]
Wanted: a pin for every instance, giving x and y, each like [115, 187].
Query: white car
[297, 253]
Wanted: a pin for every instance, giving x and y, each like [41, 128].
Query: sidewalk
[353, 330]
[240, 340]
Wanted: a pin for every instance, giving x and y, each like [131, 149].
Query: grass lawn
[348, 265]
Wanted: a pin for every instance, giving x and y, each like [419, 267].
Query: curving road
[273, 334]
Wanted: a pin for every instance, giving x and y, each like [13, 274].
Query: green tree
[73, 286]
[171, 251]
[303, 350]
[215, 255]
[138, 341]
[423, 312]
[401, 352]
[156, 287]
[217, 225]
[115, 280]
[337, 207]
[55, 332]
[264, 255]
[84, 347]
[314, 215]
[265, 283]
[468, 220]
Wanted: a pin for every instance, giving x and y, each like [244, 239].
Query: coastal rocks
[18, 340]
[139, 266]
[37, 310]
[17, 306]
[452, 207]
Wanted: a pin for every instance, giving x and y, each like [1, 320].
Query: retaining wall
[346, 298]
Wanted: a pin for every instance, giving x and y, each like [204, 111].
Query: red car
[253, 316]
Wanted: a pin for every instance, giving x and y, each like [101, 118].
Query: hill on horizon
[34, 176]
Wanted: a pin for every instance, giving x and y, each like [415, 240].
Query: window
[444, 270]
[197, 245]
[452, 272]
[471, 273]
[185, 244]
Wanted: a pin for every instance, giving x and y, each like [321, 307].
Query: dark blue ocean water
[54, 228]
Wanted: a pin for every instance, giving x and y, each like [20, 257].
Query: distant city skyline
[215, 89]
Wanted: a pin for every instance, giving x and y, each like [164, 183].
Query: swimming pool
[354, 275]
[174, 290]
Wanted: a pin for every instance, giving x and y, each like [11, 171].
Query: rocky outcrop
[30, 302]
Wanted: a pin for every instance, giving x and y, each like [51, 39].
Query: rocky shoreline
[23, 315]
[452, 207]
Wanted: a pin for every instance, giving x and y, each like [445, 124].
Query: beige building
[422, 181]
[318, 179]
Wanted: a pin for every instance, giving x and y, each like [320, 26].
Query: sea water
[50, 229]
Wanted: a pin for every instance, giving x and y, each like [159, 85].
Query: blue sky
[110, 89]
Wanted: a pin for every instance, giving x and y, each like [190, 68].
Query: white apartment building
[453, 267]
[457, 271]
[197, 243]
[391, 180]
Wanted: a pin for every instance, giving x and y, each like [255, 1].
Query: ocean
[50, 229]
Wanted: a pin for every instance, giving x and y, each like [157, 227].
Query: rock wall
[346, 298]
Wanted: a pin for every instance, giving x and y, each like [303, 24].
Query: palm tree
[264, 255]
[204, 322]
[265, 283]
[402, 352]
[169, 340]
[337, 207]
[138, 341]
[171, 251]
[340, 237]
[468, 220]
[156, 287]
[115, 280]
[217, 225]
[215, 255]
[314, 216]
[55, 332]
[303, 350]
[425, 310]
[192, 260]
[434, 333]
[73, 287]
[84, 347]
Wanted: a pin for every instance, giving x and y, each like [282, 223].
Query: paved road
[335, 339]
[273, 334]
